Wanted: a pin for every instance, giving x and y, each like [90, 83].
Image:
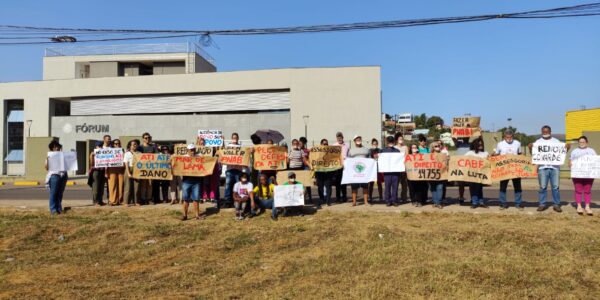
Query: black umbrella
[266, 134]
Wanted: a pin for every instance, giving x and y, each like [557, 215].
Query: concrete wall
[104, 69]
[164, 68]
[343, 99]
[201, 64]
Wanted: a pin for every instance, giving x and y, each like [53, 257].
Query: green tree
[421, 121]
[433, 121]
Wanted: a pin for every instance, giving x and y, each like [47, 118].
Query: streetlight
[509, 125]
[29, 127]
[305, 118]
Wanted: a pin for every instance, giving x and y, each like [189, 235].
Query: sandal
[588, 211]
[580, 210]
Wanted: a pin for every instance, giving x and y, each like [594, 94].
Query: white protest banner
[62, 161]
[391, 162]
[359, 170]
[548, 153]
[586, 167]
[212, 138]
[289, 195]
[108, 157]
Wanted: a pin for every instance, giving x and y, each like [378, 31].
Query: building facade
[172, 92]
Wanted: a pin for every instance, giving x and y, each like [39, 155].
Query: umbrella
[265, 134]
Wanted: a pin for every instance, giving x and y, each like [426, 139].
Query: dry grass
[327, 255]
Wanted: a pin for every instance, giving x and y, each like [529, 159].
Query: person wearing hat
[509, 146]
[190, 186]
[324, 181]
[292, 181]
[340, 189]
[359, 151]
[97, 177]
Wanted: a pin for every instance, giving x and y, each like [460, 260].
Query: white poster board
[289, 195]
[586, 167]
[548, 153]
[212, 138]
[108, 157]
[390, 162]
[359, 170]
[62, 161]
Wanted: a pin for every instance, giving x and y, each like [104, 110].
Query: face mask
[243, 180]
[358, 143]
[546, 136]
[291, 181]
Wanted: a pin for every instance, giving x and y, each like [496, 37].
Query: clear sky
[532, 71]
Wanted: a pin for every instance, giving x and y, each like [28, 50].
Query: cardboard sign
[586, 167]
[108, 158]
[152, 166]
[289, 195]
[304, 176]
[426, 166]
[325, 158]
[270, 157]
[390, 162]
[212, 138]
[59, 161]
[359, 170]
[466, 127]
[181, 149]
[548, 153]
[234, 156]
[196, 166]
[511, 166]
[469, 169]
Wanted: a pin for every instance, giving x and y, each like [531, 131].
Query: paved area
[79, 196]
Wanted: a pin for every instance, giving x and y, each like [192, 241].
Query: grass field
[101, 253]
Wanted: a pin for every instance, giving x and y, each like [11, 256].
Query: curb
[26, 183]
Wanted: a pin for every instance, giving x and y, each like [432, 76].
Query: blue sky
[530, 70]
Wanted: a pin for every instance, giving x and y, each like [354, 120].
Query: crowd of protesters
[251, 192]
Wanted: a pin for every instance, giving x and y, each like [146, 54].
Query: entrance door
[81, 148]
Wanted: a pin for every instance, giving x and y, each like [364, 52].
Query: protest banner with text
[239, 156]
[196, 166]
[325, 158]
[212, 138]
[426, 166]
[469, 169]
[359, 170]
[586, 167]
[390, 162]
[181, 149]
[548, 153]
[511, 166]
[59, 161]
[303, 176]
[152, 166]
[466, 127]
[270, 157]
[108, 157]
[289, 195]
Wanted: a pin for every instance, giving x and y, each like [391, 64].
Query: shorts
[355, 186]
[191, 191]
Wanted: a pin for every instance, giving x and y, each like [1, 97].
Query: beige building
[171, 91]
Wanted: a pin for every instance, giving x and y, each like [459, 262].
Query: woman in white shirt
[133, 189]
[583, 186]
[476, 189]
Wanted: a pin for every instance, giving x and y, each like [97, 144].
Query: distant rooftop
[128, 49]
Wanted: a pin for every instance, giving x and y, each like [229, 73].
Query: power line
[6, 31]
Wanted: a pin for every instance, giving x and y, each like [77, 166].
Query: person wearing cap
[359, 151]
[509, 146]
[243, 191]
[340, 189]
[190, 186]
[97, 177]
[325, 180]
[390, 179]
[116, 177]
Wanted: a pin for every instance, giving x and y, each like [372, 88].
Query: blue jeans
[267, 203]
[548, 175]
[191, 191]
[437, 191]
[518, 191]
[476, 191]
[57, 188]
[390, 192]
[231, 177]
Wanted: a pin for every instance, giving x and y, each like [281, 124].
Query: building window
[14, 124]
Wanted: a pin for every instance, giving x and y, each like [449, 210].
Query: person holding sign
[190, 186]
[404, 192]
[133, 188]
[509, 146]
[548, 172]
[436, 187]
[325, 180]
[476, 189]
[263, 194]
[374, 152]
[418, 188]
[583, 186]
[56, 180]
[391, 179]
[243, 191]
[232, 175]
[116, 177]
[340, 189]
[359, 151]
[98, 176]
